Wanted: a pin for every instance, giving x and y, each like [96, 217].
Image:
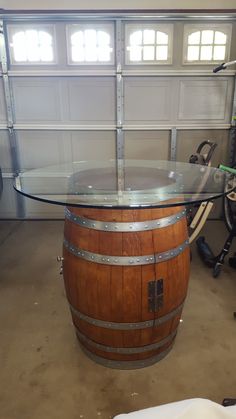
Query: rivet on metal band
[126, 365]
[124, 226]
[127, 326]
[125, 260]
[125, 351]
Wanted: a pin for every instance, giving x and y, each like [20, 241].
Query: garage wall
[63, 113]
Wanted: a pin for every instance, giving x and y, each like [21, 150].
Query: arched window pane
[33, 54]
[103, 38]
[220, 38]
[161, 38]
[19, 38]
[148, 53]
[32, 37]
[46, 53]
[147, 43]
[194, 38]
[219, 53]
[208, 44]
[77, 54]
[136, 38]
[91, 45]
[206, 53]
[207, 37]
[44, 38]
[148, 36]
[91, 54]
[104, 54]
[90, 38]
[162, 53]
[77, 38]
[135, 53]
[32, 46]
[193, 53]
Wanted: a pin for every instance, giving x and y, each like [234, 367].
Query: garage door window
[31, 45]
[89, 44]
[148, 44]
[206, 44]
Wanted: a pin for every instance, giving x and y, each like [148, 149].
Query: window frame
[12, 29]
[90, 25]
[189, 28]
[167, 28]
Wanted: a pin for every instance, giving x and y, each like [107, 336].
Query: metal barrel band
[126, 365]
[125, 351]
[124, 226]
[127, 326]
[125, 260]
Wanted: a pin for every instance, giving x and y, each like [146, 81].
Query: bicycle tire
[229, 203]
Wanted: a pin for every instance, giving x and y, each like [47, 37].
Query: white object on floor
[185, 409]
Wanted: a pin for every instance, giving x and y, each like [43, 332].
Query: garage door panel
[177, 100]
[3, 117]
[147, 100]
[43, 148]
[91, 100]
[79, 100]
[5, 155]
[205, 99]
[93, 145]
[147, 145]
[36, 100]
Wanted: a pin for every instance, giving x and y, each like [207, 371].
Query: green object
[227, 169]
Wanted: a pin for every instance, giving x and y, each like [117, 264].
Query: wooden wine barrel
[126, 275]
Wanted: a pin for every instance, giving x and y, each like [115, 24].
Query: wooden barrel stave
[119, 294]
[126, 357]
[90, 295]
[126, 338]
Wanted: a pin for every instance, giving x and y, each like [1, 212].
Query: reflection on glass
[146, 183]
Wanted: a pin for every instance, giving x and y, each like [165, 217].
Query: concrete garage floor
[44, 374]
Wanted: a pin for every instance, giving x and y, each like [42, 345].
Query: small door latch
[155, 295]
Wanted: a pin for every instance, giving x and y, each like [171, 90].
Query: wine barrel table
[126, 275]
[126, 251]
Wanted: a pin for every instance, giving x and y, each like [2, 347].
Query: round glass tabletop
[123, 183]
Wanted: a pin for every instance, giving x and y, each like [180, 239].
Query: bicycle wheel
[230, 203]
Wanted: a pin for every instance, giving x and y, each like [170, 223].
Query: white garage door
[101, 89]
